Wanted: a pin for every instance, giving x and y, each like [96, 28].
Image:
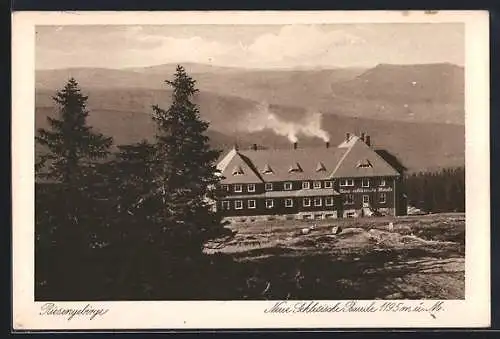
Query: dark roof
[352, 158]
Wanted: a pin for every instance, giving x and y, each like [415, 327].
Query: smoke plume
[263, 118]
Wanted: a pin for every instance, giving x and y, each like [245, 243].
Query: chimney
[363, 136]
[254, 147]
[327, 144]
[236, 148]
[347, 136]
[368, 141]
[295, 145]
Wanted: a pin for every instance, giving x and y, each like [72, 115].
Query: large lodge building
[346, 181]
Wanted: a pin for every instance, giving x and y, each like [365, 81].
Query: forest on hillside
[437, 191]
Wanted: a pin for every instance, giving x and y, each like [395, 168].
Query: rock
[352, 230]
[396, 295]
[305, 231]
[336, 229]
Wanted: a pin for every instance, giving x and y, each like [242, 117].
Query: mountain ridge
[417, 111]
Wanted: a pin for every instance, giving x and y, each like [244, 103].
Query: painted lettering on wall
[366, 190]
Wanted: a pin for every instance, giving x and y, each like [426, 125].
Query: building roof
[282, 164]
[352, 158]
[361, 160]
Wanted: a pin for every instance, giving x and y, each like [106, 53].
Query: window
[288, 186]
[288, 203]
[317, 184]
[307, 217]
[306, 202]
[347, 182]
[364, 164]
[251, 204]
[328, 184]
[317, 201]
[269, 186]
[365, 182]
[305, 185]
[382, 182]
[382, 198]
[295, 168]
[225, 205]
[349, 199]
[269, 203]
[238, 171]
[225, 188]
[238, 188]
[251, 187]
[328, 201]
[267, 169]
[350, 214]
[320, 167]
[238, 204]
[366, 199]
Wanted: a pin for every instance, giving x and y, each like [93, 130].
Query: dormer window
[364, 164]
[238, 171]
[295, 168]
[320, 167]
[267, 169]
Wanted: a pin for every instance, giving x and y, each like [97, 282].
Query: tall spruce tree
[66, 218]
[186, 174]
[70, 142]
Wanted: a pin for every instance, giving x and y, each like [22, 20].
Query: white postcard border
[474, 311]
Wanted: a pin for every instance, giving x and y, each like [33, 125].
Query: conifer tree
[185, 171]
[66, 218]
[70, 142]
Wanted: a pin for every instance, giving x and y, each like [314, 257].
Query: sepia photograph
[246, 161]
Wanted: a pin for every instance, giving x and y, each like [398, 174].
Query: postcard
[250, 170]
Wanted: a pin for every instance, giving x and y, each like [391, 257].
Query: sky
[249, 46]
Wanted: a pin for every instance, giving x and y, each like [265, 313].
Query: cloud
[293, 45]
[241, 46]
[166, 49]
[301, 43]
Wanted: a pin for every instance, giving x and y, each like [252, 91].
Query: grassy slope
[423, 257]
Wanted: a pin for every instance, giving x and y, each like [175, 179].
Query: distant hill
[428, 93]
[418, 145]
[417, 93]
